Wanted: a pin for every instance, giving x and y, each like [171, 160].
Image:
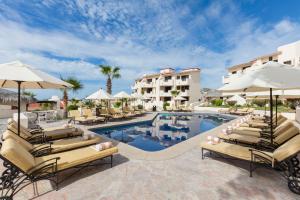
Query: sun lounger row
[28, 163]
[256, 148]
[87, 116]
[44, 135]
[236, 111]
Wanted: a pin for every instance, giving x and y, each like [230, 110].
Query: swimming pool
[165, 130]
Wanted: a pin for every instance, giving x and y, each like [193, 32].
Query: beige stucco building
[286, 54]
[157, 87]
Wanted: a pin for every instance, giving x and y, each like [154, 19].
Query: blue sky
[70, 38]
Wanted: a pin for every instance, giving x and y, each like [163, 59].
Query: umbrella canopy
[19, 75]
[122, 95]
[238, 99]
[100, 95]
[270, 75]
[283, 94]
[180, 98]
[14, 72]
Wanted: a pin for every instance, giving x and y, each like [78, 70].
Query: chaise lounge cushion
[17, 154]
[232, 150]
[58, 145]
[77, 157]
[288, 149]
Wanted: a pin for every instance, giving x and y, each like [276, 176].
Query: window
[275, 60]
[183, 78]
[288, 62]
[149, 80]
[178, 77]
[270, 58]
[168, 78]
[234, 72]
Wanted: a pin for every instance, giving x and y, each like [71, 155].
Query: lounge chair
[128, 112]
[89, 115]
[283, 158]
[260, 124]
[76, 116]
[115, 114]
[280, 137]
[224, 110]
[24, 169]
[257, 132]
[44, 136]
[242, 111]
[54, 146]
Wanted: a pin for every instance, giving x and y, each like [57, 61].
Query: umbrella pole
[19, 105]
[271, 115]
[276, 108]
[265, 107]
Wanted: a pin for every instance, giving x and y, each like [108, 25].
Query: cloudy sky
[71, 38]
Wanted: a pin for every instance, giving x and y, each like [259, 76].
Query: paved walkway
[182, 176]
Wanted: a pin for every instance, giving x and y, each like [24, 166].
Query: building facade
[157, 87]
[286, 54]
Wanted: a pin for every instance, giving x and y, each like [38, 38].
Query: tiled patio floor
[185, 176]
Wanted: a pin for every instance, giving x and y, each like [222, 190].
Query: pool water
[164, 131]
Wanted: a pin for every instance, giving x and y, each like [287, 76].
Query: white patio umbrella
[122, 95]
[137, 96]
[100, 95]
[270, 76]
[179, 98]
[19, 75]
[238, 99]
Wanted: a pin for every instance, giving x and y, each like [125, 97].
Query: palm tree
[175, 93]
[77, 85]
[30, 94]
[111, 73]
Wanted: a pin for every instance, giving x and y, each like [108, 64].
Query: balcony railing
[165, 94]
[182, 82]
[185, 93]
[166, 83]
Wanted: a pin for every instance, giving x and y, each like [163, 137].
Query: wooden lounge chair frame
[290, 167]
[263, 144]
[14, 179]
[47, 148]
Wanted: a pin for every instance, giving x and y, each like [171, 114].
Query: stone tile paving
[185, 176]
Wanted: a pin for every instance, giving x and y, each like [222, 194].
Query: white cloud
[141, 44]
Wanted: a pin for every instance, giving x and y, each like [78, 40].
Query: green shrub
[140, 107]
[117, 104]
[231, 103]
[89, 104]
[293, 103]
[259, 102]
[72, 107]
[165, 105]
[217, 102]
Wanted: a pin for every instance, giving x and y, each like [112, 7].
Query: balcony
[149, 95]
[185, 93]
[182, 82]
[147, 84]
[166, 83]
[165, 94]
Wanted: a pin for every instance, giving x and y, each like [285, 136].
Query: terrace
[174, 173]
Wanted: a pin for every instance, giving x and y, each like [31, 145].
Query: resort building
[157, 87]
[286, 54]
